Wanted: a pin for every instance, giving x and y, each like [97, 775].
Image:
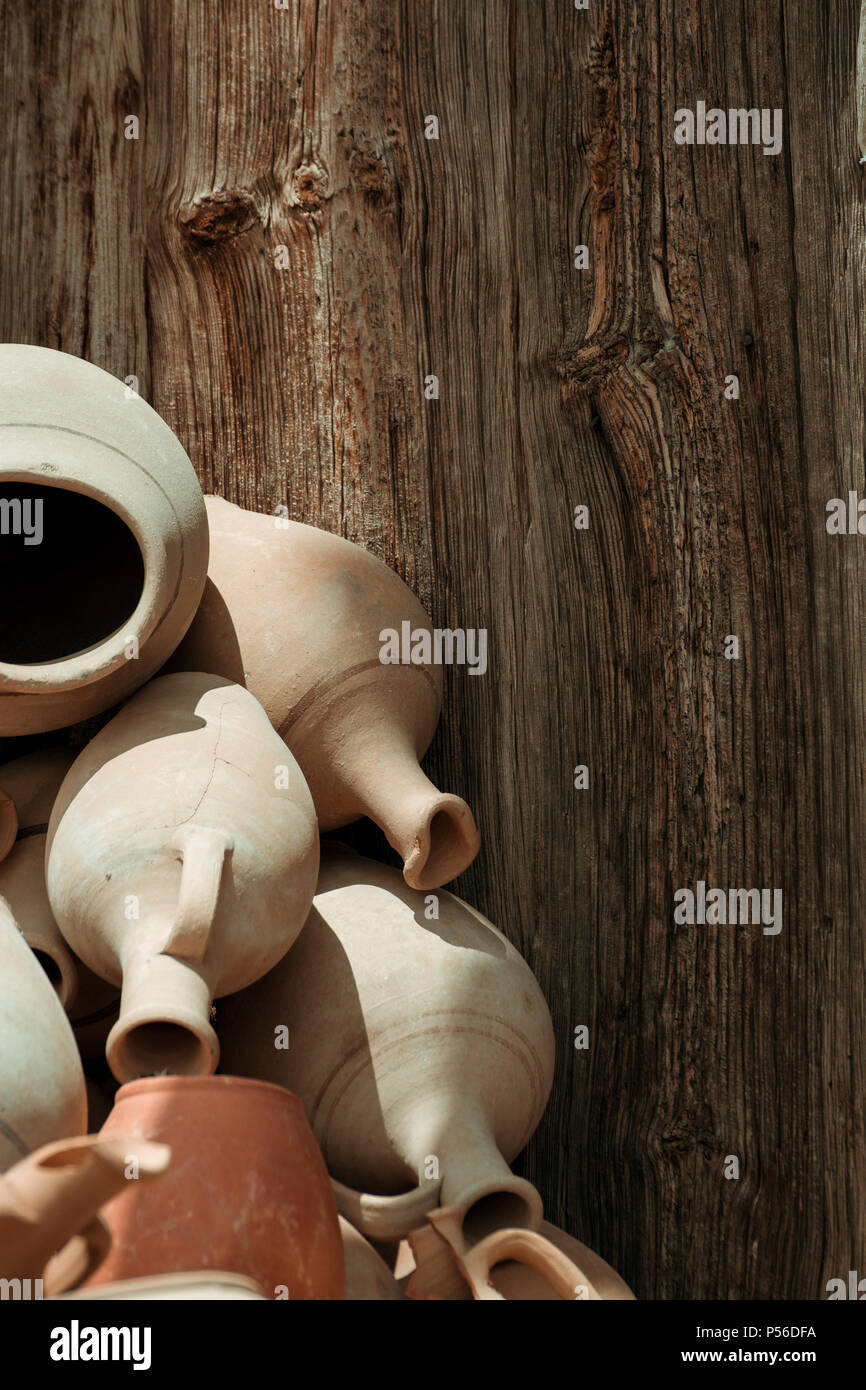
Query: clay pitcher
[32, 782]
[182, 858]
[299, 617]
[42, 1094]
[247, 1190]
[104, 545]
[55, 1193]
[422, 1050]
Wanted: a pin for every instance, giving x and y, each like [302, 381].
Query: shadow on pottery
[422, 1050]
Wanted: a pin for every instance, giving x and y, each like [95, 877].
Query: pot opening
[495, 1212]
[153, 1049]
[452, 846]
[71, 573]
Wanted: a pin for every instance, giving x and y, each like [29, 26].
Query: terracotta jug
[182, 858]
[422, 1049]
[297, 615]
[368, 1278]
[32, 782]
[54, 1194]
[439, 1269]
[247, 1190]
[42, 1095]
[95, 485]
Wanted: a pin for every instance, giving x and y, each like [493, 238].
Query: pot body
[42, 1093]
[196, 882]
[247, 1190]
[92, 481]
[299, 617]
[32, 782]
[422, 1049]
[368, 1278]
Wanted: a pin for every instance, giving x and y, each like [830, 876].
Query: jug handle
[532, 1249]
[382, 1217]
[202, 852]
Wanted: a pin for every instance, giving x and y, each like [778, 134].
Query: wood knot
[218, 217]
[372, 176]
[308, 188]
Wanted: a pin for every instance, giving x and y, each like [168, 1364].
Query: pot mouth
[72, 574]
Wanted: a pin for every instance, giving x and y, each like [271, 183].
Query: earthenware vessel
[55, 1193]
[94, 484]
[42, 1095]
[182, 857]
[247, 1190]
[300, 617]
[368, 1278]
[213, 1286]
[33, 782]
[437, 1268]
[421, 1047]
[565, 1279]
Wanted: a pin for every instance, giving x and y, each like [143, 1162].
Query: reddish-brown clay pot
[297, 616]
[247, 1190]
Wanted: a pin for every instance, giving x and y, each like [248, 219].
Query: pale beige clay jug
[33, 782]
[104, 556]
[297, 615]
[182, 859]
[42, 1094]
[422, 1049]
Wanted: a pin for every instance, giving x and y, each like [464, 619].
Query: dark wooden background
[305, 128]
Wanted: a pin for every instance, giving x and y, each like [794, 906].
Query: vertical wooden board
[72, 251]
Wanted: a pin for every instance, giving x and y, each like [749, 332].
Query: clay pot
[42, 1095]
[107, 546]
[443, 1266]
[422, 1050]
[55, 1193]
[215, 1286]
[32, 782]
[368, 1278]
[182, 858]
[247, 1190]
[296, 615]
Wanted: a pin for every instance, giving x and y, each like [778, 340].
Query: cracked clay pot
[422, 1049]
[296, 615]
[104, 546]
[247, 1190]
[181, 863]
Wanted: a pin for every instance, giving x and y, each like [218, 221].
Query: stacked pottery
[384, 1053]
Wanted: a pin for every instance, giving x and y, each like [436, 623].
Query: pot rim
[176, 1082]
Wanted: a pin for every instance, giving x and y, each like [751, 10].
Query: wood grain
[304, 128]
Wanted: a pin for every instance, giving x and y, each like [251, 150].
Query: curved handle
[529, 1248]
[386, 1218]
[203, 852]
[8, 824]
[78, 1258]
